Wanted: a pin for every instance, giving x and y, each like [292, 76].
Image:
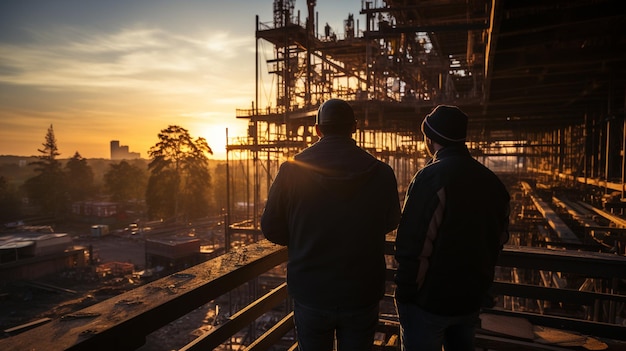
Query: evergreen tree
[179, 181]
[48, 188]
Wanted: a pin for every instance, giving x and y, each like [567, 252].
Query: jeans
[424, 331]
[354, 329]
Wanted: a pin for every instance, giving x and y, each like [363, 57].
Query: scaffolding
[407, 59]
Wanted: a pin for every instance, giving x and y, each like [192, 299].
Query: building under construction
[543, 83]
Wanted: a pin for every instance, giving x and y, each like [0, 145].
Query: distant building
[98, 212]
[172, 252]
[100, 209]
[31, 252]
[120, 152]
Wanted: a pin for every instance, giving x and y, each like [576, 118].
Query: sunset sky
[125, 69]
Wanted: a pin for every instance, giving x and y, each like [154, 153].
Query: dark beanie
[445, 125]
[334, 112]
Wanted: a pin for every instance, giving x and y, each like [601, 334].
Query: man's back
[332, 206]
[341, 203]
[468, 237]
[454, 222]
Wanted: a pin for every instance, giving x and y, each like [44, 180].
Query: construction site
[544, 86]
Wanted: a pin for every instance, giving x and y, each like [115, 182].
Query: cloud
[126, 69]
[142, 59]
[123, 84]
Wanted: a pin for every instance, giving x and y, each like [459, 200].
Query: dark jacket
[332, 206]
[454, 224]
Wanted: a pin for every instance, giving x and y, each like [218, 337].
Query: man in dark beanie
[445, 125]
[332, 205]
[454, 224]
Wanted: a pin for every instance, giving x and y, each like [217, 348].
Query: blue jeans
[316, 329]
[424, 331]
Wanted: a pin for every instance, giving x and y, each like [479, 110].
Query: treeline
[176, 182]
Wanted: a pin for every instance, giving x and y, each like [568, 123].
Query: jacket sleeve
[504, 236]
[422, 209]
[394, 214]
[274, 221]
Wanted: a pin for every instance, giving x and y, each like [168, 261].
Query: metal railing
[124, 321]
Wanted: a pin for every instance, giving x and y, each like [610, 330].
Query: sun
[215, 135]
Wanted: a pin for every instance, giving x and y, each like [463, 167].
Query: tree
[160, 194]
[237, 182]
[220, 187]
[179, 180]
[125, 182]
[48, 159]
[9, 201]
[48, 188]
[80, 184]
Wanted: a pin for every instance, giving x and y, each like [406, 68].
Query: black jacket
[454, 224]
[332, 206]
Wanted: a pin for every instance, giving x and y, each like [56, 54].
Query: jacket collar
[451, 150]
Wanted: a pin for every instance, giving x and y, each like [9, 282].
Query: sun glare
[215, 135]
